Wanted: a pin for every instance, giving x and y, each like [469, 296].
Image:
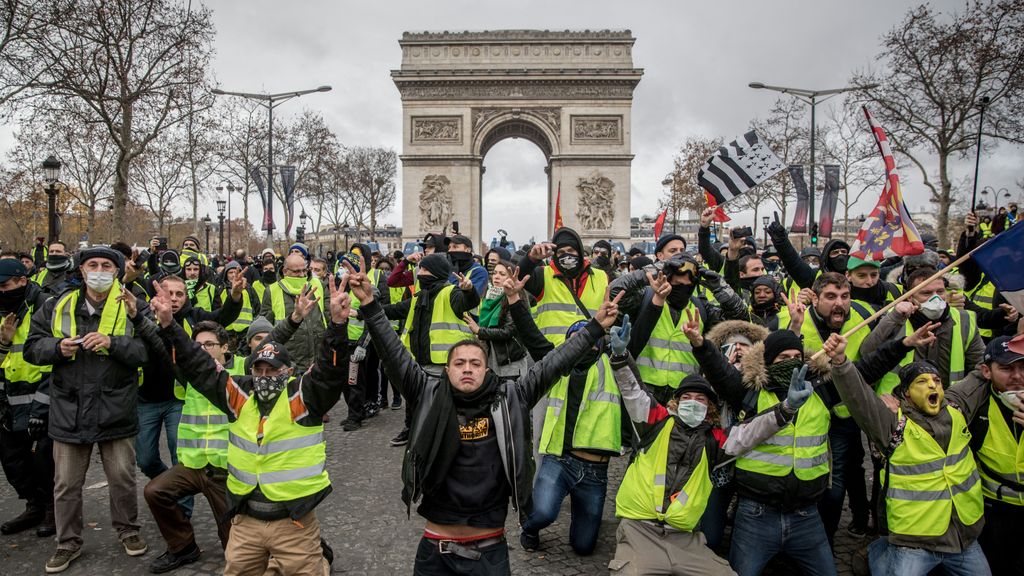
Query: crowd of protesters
[739, 381]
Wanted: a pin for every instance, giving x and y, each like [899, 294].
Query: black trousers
[431, 562]
[28, 465]
[376, 385]
[1000, 538]
[355, 393]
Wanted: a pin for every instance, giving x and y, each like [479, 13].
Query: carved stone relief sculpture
[442, 129]
[435, 203]
[595, 204]
[598, 129]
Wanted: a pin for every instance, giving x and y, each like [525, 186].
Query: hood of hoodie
[569, 236]
[755, 373]
[829, 246]
[724, 330]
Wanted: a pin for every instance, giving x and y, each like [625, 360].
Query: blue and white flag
[1002, 259]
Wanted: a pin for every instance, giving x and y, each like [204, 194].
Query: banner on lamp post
[265, 200]
[796, 174]
[829, 200]
[288, 189]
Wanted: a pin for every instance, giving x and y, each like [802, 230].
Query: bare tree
[308, 144]
[130, 63]
[242, 131]
[162, 176]
[848, 143]
[370, 176]
[935, 68]
[199, 130]
[20, 21]
[684, 193]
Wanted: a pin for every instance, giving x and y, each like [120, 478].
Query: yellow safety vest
[598, 423]
[641, 495]
[203, 429]
[205, 297]
[557, 310]
[290, 462]
[113, 319]
[40, 276]
[963, 332]
[1004, 456]
[668, 355]
[445, 327]
[21, 378]
[984, 295]
[277, 292]
[245, 314]
[801, 447]
[926, 483]
[259, 287]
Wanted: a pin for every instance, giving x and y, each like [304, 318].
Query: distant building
[332, 238]
[641, 229]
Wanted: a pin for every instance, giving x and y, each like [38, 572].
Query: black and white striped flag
[739, 166]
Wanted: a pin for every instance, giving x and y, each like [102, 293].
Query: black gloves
[776, 231]
[37, 427]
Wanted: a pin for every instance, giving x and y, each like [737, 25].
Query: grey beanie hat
[259, 325]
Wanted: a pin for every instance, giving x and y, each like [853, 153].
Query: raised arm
[323, 383]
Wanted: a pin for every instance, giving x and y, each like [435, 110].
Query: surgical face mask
[933, 307]
[99, 281]
[691, 412]
[1011, 400]
[268, 388]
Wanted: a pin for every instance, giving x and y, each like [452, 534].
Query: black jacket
[15, 416]
[503, 340]
[93, 397]
[461, 301]
[511, 413]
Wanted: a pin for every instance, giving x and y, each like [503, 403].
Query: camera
[141, 258]
[743, 232]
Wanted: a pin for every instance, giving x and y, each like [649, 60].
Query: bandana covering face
[268, 388]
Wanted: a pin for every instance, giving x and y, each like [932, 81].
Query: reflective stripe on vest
[205, 297]
[925, 483]
[445, 327]
[668, 356]
[642, 493]
[290, 462]
[355, 325]
[812, 340]
[984, 295]
[277, 293]
[557, 310]
[801, 447]
[1002, 455]
[113, 318]
[962, 333]
[20, 375]
[203, 429]
[598, 421]
[245, 315]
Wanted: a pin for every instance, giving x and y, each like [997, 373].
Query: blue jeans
[152, 417]
[886, 559]
[842, 436]
[585, 483]
[760, 532]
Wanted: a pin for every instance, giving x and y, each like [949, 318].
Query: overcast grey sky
[698, 58]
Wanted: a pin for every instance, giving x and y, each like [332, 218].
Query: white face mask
[99, 281]
[1011, 400]
[691, 412]
[933, 307]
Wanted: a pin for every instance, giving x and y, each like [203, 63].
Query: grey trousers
[644, 549]
[119, 467]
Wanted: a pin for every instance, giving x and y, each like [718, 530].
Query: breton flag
[739, 166]
[659, 224]
[1003, 262]
[558, 209]
[888, 231]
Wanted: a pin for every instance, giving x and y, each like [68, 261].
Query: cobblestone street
[364, 520]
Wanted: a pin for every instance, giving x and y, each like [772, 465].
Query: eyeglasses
[209, 345]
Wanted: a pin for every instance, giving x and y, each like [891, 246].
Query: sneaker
[60, 561]
[171, 561]
[351, 425]
[529, 542]
[371, 409]
[134, 545]
[856, 531]
[396, 404]
[402, 439]
[30, 518]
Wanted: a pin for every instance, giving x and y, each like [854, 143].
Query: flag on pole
[265, 200]
[1003, 262]
[739, 166]
[659, 224]
[888, 231]
[720, 215]
[558, 208]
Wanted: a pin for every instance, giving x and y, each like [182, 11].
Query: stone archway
[570, 93]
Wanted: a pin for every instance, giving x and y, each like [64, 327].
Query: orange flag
[558, 208]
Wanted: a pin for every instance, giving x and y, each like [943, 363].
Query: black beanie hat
[696, 383]
[665, 239]
[911, 371]
[438, 265]
[765, 280]
[778, 342]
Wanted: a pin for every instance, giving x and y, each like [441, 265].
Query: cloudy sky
[698, 58]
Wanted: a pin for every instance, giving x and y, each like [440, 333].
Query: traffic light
[814, 234]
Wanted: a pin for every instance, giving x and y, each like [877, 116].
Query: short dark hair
[211, 326]
[829, 279]
[65, 246]
[746, 259]
[472, 342]
[172, 278]
[919, 275]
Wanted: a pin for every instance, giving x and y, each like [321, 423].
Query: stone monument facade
[570, 93]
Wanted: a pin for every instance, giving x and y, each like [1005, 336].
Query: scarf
[490, 312]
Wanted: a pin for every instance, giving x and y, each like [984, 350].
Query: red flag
[888, 230]
[720, 215]
[659, 224]
[558, 208]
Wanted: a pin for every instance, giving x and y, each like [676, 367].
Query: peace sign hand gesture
[609, 309]
[340, 303]
[691, 328]
[661, 286]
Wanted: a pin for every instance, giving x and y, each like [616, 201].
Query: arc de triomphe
[570, 93]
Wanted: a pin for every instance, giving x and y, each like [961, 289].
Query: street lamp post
[764, 227]
[220, 220]
[51, 173]
[228, 189]
[811, 97]
[270, 101]
[981, 104]
[206, 225]
[300, 232]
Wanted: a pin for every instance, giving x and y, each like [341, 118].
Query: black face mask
[780, 374]
[569, 264]
[462, 261]
[602, 262]
[268, 277]
[11, 300]
[57, 262]
[430, 282]
[680, 295]
[838, 263]
[765, 308]
[748, 283]
[874, 295]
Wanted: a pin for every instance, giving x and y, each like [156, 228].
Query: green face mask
[293, 285]
[780, 373]
[190, 287]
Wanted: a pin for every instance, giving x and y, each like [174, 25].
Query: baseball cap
[272, 353]
[999, 350]
[11, 268]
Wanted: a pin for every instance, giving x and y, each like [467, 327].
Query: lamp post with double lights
[220, 220]
[811, 97]
[228, 188]
[51, 173]
[270, 101]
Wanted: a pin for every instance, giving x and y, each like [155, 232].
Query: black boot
[48, 527]
[30, 518]
[173, 560]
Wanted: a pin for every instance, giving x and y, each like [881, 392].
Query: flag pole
[938, 274]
